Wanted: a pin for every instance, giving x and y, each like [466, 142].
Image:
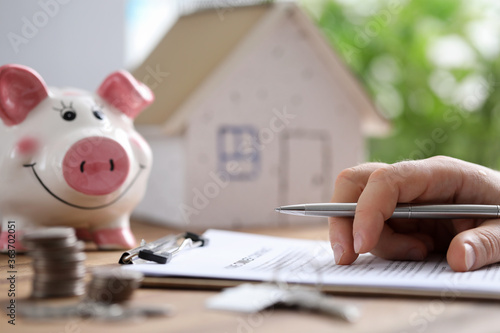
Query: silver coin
[68, 283]
[59, 257]
[61, 276]
[109, 296]
[54, 265]
[60, 269]
[58, 286]
[78, 246]
[113, 272]
[48, 235]
[47, 293]
[112, 284]
[32, 245]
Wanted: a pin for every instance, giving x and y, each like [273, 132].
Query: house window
[237, 151]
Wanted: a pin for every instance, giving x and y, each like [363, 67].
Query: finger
[378, 201]
[396, 246]
[341, 240]
[475, 248]
[434, 179]
[348, 187]
[436, 234]
[404, 226]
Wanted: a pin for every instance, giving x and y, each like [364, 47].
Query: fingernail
[470, 256]
[415, 254]
[358, 242]
[338, 252]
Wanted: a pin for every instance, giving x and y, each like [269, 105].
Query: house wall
[166, 183]
[275, 131]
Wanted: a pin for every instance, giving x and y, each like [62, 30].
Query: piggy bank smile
[124, 191]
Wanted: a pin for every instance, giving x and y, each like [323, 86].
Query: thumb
[475, 248]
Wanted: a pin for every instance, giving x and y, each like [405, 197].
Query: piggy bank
[71, 158]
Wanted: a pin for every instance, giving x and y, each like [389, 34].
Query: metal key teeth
[58, 262]
[321, 303]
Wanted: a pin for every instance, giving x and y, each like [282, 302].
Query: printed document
[250, 257]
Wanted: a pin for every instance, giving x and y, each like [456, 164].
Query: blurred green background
[431, 66]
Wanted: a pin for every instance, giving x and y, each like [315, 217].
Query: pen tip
[277, 209]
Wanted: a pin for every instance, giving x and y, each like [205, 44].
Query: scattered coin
[92, 310]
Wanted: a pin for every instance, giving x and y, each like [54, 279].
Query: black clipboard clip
[162, 250]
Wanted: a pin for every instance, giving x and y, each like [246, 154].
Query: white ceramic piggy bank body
[71, 158]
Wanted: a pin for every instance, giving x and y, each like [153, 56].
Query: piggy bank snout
[96, 166]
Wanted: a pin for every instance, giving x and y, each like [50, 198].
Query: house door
[306, 164]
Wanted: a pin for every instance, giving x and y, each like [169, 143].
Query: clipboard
[219, 284]
[232, 258]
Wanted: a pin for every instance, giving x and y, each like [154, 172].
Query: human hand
[378, 187]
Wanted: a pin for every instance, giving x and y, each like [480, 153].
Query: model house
[253, 110]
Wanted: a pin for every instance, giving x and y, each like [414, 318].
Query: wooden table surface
[379, 314]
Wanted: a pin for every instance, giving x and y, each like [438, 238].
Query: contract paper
[249, 257]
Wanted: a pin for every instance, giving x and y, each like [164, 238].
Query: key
[316, 301]
[250, 298]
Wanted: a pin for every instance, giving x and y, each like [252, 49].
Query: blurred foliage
[431, 66]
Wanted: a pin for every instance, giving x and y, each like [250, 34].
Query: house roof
[200, 48]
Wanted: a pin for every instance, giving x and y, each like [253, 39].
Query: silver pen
[402, 211]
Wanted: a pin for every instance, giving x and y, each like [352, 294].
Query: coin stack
[111, 285]
[58, 262]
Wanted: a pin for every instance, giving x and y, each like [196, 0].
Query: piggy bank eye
[68, 115]
[98, 113]
[67, 112]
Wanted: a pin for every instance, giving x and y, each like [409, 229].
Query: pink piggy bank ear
[21, 89]
[125, 93]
